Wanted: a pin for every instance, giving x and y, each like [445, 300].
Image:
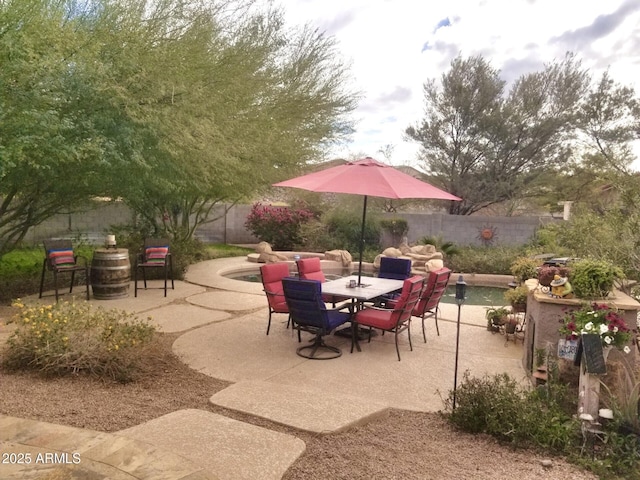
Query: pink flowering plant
[279, 226]
[601, 319]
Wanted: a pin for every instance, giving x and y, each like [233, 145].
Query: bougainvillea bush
[279, 226]
[78, 338]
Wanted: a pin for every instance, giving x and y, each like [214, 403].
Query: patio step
[304, 408]
[229, 449]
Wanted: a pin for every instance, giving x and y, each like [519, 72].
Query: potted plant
[511, 324]
[524, 268]
[546, 273]
[517, 298]
[592, 278]
[496, 317]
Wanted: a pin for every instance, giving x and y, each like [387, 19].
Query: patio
[224, 323]
[236, 349]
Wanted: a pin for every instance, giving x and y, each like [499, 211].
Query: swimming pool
[477, 295]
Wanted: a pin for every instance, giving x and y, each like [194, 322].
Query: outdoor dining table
[369, 288]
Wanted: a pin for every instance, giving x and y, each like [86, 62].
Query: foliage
[524, 268]
[344, 230]
[543, 417]
[279, 226]
[597, 318]
[592, 278]
[490, 146]
[498, 406]
[626, 401]
[58, 124]
[173, 106]
[448, 249]
[546, 274]
[74, 338]
[496, 316]
[609, 231]
[222, 250]
[496, 260]
[610, 120]
[398, 227]
[516, 296]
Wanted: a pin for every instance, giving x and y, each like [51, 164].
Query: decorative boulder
[263, 247]
[271, 257]
[267, 255]
[342, 256]
[392, 252]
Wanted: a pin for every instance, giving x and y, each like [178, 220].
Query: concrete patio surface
[224, 323]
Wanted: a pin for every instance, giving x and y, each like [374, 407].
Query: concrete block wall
[465, 230]
[93, 223]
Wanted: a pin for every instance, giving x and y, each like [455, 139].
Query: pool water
[477, 295]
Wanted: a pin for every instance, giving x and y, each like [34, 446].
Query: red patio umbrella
[367, 177]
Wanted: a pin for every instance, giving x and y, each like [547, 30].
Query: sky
[395, 46]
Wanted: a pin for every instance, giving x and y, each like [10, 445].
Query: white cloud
[385, 41]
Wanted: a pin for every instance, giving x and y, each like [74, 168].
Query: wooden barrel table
[110, 273]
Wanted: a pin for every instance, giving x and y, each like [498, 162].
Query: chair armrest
[273, 294]
[345, 306]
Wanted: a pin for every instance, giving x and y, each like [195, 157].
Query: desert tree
[488, 145]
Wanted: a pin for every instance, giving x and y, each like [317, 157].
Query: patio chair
[310, 269]
[396, 319]
[428, 304]
[395, 268]
[309, 312]
[272, 275]
[60, 258]
[155, 254]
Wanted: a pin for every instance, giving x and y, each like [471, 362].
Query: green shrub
[74, 337]
[544, 418]
[398, 227]
[524, 268]
[495, 260]
[341, 229]
[448, 249]
[499, 406]
[592, 278]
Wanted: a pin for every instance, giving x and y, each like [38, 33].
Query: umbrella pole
[364, 217]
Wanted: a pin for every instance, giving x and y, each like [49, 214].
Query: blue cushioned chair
[395, 268]
[309, 312]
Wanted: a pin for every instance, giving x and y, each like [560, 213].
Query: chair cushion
[310, 269]
[395, 268]
[319, 276]
[335, 319]
[156, 254]
[62, 258]
[272, 275]
[384, 319]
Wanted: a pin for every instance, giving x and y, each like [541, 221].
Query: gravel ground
[400, 445]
